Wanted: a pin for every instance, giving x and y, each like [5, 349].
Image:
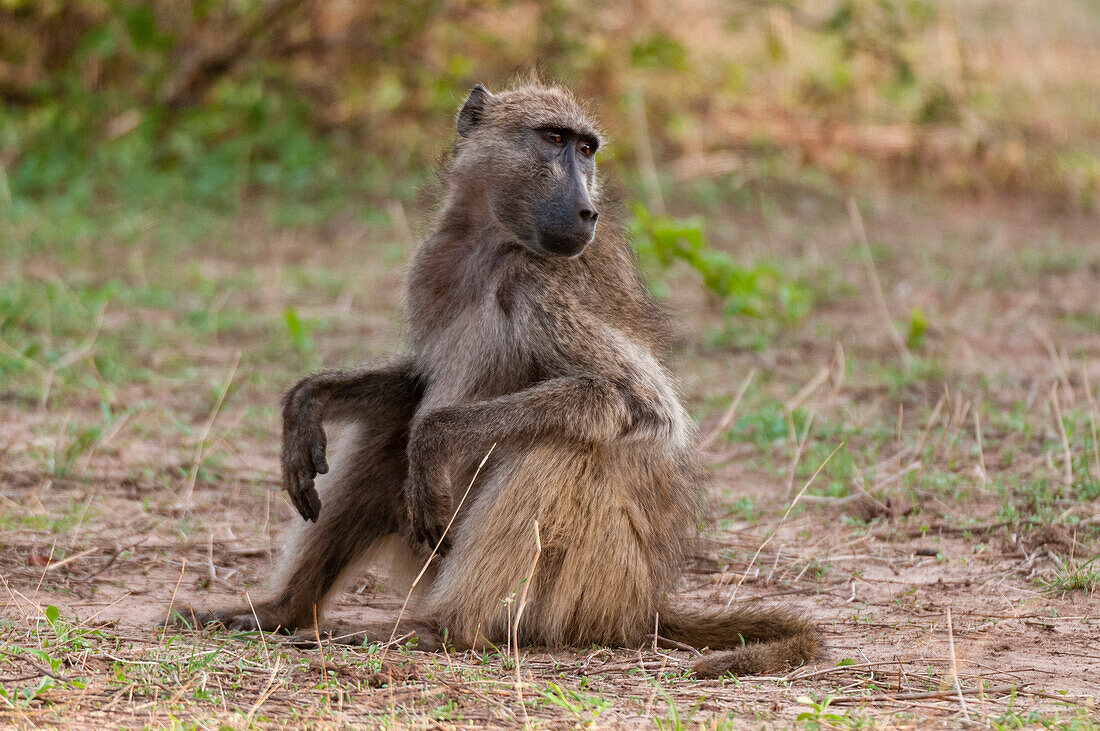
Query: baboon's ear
[473, 109]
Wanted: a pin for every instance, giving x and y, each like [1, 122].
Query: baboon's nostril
[589, 214]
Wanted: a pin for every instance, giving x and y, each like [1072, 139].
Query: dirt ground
[949, 573]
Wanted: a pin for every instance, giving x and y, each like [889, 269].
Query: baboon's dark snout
[567, 219]
[588, 213]
[586, 218]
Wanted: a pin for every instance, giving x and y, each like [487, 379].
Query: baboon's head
[531, 152]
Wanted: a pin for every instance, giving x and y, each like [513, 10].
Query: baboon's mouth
[569, 245]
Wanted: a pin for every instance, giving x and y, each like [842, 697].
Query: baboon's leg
[557, 438]
[596, 567]
[362, 495]
[583, 409]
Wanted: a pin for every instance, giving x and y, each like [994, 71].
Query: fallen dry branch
[946, 694]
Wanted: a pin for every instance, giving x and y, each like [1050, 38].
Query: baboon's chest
[516, 326]
[483, 351]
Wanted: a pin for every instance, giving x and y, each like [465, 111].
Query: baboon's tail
[754, 640]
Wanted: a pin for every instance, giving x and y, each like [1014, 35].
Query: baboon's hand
[303, 452]
[429, 511]
[428, 489]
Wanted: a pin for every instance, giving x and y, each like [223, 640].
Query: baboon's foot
[343, 633]
[238, 619]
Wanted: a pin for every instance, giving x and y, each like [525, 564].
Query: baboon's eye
[586, 148]
[555, 137]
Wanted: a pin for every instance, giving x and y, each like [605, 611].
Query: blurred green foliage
[142, 126]
[918, 326]
[320, 102]
[300, 332]
[759, 291]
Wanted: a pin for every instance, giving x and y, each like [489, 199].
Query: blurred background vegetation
[112, 104]
[133, 133]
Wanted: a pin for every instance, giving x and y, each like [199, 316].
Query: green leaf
[298, 330]
[52, 614]
[918, 324]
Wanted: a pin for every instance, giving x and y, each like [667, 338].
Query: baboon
[531, 338]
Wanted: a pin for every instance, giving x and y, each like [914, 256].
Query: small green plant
[817, 569]
[817, 714]
[674, 721]
[299, 330]
[744, 509]
[1074, 576]
[82, 440]
[449, 711]
[770, 423]
[65, 638]
[760, 292]
[918, 325]
[585, 707]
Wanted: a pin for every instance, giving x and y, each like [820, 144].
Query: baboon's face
[535, 154]
[557, 199]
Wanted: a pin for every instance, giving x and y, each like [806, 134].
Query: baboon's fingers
[304, 496]
[441, 548]
[231, 619]
[320, 465]
[438, 539]
[304, 640]
[426, 534]
[419, 534]
[182, 619]
[314, 501]
[310, 506]
[423, 528]
[291, 486]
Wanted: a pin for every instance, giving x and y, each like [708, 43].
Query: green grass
[585, 708]
[1074, 575]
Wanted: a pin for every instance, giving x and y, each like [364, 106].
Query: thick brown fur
[557, 360]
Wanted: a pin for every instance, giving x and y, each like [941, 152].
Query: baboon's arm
[334, 395]
[590, 409]
[346, 393]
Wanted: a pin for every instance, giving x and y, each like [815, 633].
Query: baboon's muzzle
[567, 221]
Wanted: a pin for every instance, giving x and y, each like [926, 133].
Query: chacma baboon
[527, 329]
